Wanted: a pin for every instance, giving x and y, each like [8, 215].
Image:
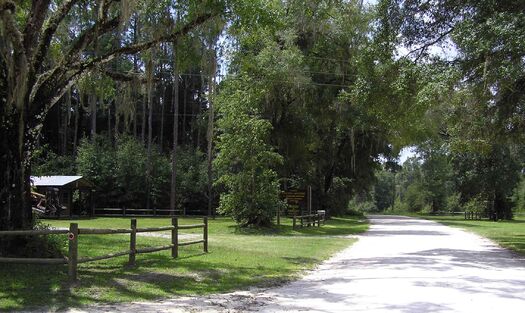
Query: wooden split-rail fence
[471, 215]
[72, 259]
[308, 220]
[153, 212]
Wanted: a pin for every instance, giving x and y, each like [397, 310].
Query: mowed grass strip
[509, 234]
[237, 259]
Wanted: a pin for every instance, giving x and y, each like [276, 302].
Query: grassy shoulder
[237, 259]
[509, 234]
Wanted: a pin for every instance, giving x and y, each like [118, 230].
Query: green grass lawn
[236, 259]
[509, 234]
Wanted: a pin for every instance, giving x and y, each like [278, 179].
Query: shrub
[453, 202]
[356, 207]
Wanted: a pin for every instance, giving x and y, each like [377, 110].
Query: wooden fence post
[293, 222]
[205, 220]
[318, 220]
[132, 242]
[73, 252]
[175, 237]
[278, 216]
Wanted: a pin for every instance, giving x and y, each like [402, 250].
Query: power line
[270, 80]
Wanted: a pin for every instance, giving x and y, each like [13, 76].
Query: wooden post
[278, 216]
[465, 214]
[132, 242]
[205, 235]
[70, 200]
[318, 220]
[175, 237]
[293, 222]
[309, 199]
[92, 202]
[73, 252]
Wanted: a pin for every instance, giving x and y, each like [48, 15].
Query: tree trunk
[199, 110]
[109, 123]
[143, 130]
[15, 188]
[210, 131]
[184, 105]
[67, 118]
[173, 192]
[93, 109]
[117, 122]
[163, 104]
[77, 116]
[149, 93]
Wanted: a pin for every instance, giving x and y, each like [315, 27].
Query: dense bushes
[119, 173]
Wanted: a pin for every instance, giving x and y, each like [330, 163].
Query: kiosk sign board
[295, 200]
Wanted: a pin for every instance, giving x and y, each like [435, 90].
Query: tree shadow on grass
[455, 221]
[337, 226]
[159, 275]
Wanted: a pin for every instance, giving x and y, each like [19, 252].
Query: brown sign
[294, 196]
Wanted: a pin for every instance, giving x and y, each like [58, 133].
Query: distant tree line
[437, 180]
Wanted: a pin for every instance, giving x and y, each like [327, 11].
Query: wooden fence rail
[123, 212]
[74, 231]
[471, 215]
[308, 220]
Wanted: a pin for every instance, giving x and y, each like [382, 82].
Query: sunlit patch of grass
[509, 234]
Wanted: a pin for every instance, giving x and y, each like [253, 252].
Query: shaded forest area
[207, 106]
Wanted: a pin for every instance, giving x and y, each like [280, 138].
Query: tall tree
[211, 123]
[30, 86]
[175, 97]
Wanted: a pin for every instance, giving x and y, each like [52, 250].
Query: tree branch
[50, 29]
[127, 77]
[7, 9]
[131, 49]
[6, 5]
[53, 84]
[425, 46]
[39, 9]
[88, 36]
[80, 44]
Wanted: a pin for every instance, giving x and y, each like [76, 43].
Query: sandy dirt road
[400, 265]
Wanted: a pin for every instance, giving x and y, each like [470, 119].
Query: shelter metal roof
[60, 181]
